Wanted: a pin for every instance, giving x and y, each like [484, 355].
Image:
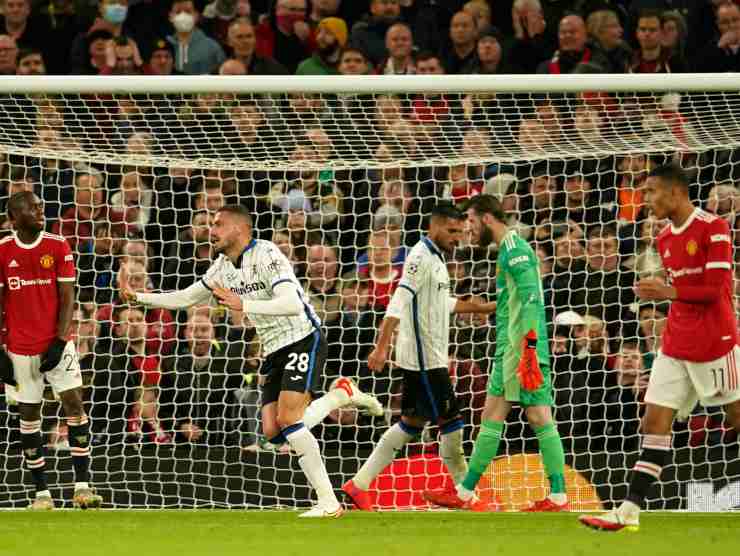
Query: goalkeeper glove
[53, 355]
[530, 375]
[7, 375]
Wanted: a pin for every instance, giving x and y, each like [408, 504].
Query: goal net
[341, 174]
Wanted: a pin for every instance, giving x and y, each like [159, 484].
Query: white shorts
[30, 389]
[679, 384]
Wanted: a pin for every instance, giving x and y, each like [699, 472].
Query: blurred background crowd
[343, 185]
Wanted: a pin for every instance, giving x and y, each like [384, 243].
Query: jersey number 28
[297, 361]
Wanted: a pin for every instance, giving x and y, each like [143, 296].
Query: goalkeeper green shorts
[506, 384]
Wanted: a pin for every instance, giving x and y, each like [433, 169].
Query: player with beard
[253, 276]
[521, 372]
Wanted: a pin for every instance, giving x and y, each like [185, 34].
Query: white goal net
[341, 173]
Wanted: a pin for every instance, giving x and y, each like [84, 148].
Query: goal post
[341, 172]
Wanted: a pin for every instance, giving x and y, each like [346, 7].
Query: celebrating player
[254, 276]
[696, 251]
[421, 307]
[37, 277]
[522, 366]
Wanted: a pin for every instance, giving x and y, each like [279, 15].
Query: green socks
[485, 449]
[553, 457]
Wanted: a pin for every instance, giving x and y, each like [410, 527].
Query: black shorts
[429, 394]
[297, 367]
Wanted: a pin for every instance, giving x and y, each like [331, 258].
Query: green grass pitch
[246, 533]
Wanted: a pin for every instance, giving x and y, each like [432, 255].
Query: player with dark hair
[696, 251]
[420, 309]
[521, 371]
[253, 276]
[37, 277]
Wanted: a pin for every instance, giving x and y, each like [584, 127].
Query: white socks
[559, 498]
[384, 453]
[463, 493]
[305, 445]
[451, 452]
[320, 408]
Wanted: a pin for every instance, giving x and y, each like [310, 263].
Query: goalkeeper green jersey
[520, 308]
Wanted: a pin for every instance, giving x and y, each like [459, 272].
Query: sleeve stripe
[209, 288]
[406, 287]
[280, 281]
[62, 279]
[725, 265]
[716, 238]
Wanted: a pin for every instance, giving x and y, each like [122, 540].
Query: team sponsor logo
[245, 289]
[47, 261]
[692, 247]
[16, 283]
[517, 260]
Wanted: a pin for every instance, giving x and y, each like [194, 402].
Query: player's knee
[538, 416]
[287, 417]
[270, 430]
[73, 406]
[732, 412]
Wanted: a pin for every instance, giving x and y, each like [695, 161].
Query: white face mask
[183, 22]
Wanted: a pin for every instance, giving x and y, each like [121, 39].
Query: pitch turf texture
[209, 532]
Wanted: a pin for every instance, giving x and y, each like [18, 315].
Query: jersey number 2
[296, 361]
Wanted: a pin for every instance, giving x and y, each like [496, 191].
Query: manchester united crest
[47, 261]
[692, 247]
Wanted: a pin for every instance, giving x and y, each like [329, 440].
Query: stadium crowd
[153, 375]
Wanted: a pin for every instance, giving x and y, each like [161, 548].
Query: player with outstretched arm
[420, 310]
[254, 276]
[37, 276]
[699, 354]
[521, 371]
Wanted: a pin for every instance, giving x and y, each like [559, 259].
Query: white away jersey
[261, 267]
[424, 329]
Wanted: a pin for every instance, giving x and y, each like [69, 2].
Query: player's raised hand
[377, 359]
[127, 293]
[654, 289]
[227, 298]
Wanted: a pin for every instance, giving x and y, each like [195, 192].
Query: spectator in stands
[652, 56]
[722, 54]
[250, 138]
[606, 31]
[232, 67]
[199, 382]
[459, 57]
[489, 53]
[463, 183]
[573, 48]
[539, 198]
[652, 319]
[210, 197]
[382, 275]
[144, 374]
[630, 200]
[630, 369]
[533, 41]
[30, 62]
[8, 55]
[675, 33]
[399, 43]
[569, 268]
[582, 204]
[368, 35]
[387, 218]
[323, 287]
[93, 57]
[76, 223]
[353, 61]
[481, 12]
[286, 36]
[331, 38]
[220, 14]
[162, 59]
[134, 202]
[242, 40]
[609, 287]
[646, 262]
[97, 269]
[724, 201]
[27, 30]
[122, 58]
[195, 52]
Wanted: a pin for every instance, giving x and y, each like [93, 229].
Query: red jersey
[698, 261]
[28, 275]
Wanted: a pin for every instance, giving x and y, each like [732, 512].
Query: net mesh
[343, 184]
